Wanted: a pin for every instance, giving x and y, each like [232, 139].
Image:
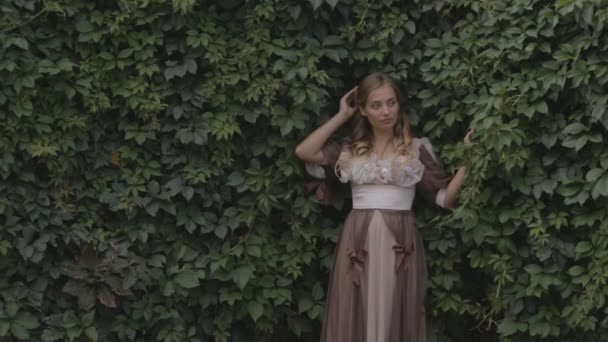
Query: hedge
[149, 190]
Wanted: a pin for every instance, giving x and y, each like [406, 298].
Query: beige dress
[377, 282]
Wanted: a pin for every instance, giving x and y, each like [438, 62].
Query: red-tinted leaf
[115, 284]
[73, 287]
[107, 298]
[74, 271]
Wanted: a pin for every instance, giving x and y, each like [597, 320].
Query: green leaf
[304, 304]
[593, 175]
[87, 319]
[221, 231]
[255, 310]
[91, 333]
[5, 325]
[73, 332]
[295, 11]
[541, 107]
[187, 279]
[574, 128]
[575, 271]
[533, 269]
[255, 251]
[27, 320]
[11, 308]
[65, 64]
[168, 288]
[601, 187]
[583, 247]
[51, 334]
[433, 43]
[508, 327]
[19, 331]
[332, 3]
[21, 42]
[315, 3]
[83, 26]
[188, 192]
[242, 275]
[47, 67]
[410, 26]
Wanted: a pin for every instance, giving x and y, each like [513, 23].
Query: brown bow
[357, 260]
[400, 254]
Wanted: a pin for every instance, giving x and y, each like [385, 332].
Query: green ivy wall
[149, 191]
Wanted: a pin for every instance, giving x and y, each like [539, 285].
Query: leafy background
[149, 190]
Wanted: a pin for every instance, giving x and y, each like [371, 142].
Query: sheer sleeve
[331, 152]
[324, 172]
[435, 179]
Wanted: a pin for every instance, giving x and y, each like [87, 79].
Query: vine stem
[42, 11]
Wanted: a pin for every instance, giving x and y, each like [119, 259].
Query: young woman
[377, 283]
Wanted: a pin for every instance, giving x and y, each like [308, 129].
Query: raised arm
[309, 150]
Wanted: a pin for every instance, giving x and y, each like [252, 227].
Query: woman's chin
[384, 126]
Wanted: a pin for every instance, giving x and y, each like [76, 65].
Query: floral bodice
[401, 170]
[424, 170]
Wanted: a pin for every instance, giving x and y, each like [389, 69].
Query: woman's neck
[382, 138]
[381, 143]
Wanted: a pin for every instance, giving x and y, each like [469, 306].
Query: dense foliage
[148, 189]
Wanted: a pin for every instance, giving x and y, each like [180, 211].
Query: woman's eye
[375, 106]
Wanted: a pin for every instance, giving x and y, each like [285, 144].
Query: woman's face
[382, 108]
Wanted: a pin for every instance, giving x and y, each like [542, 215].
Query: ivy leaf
[19, 331]
[242, 275]
[27, 320]
[575, 271]
[5, 326]
[410, 26]
[87, 319]
[533, 269]
[91, 333]
[315, 3]
[187, 279]
[574, 128]
[255, 251]
[332, 3]
[304, 304]
[583, 247]
[187, 192]
[51, 334]
[11, 308]
[106, 297]
[600, 188]
[83, 26]
[255, 310]
[295, 11]
[593, 175]
[508, 327]
[21, 42]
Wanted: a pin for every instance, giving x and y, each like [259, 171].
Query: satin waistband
[383, 196]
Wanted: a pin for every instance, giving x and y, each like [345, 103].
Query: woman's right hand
[348, 104]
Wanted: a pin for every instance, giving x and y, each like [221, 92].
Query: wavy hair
[362, 136]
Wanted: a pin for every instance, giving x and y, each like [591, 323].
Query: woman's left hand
[467, 137]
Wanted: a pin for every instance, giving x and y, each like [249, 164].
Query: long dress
[377, 282]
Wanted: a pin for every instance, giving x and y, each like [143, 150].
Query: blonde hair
[363, 134]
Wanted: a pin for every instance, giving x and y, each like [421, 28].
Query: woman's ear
[361, 111]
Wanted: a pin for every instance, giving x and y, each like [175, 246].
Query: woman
[377, 283]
